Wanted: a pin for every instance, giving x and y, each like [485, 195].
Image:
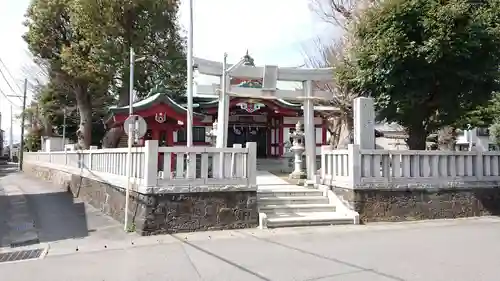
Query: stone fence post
[150, 176]
[354, 161]
[252, 164]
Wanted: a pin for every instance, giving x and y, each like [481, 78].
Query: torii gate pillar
[309, 132]
[223, 114]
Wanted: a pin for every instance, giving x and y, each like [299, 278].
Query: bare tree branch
[339, 12]
[340, 123]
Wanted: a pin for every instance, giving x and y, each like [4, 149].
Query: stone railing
[198, 168]
[157, 168]
[353, 168]
[105, 161]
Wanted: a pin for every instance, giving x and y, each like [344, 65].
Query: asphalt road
[441, 250]
[82, 244]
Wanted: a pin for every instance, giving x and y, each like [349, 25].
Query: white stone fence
[160, 169]
[355, 168]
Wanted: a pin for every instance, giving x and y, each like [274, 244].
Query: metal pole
[189, 119]
[130, 138]
[131, 82]
[23, 119]
[64, 129]
[11, 141]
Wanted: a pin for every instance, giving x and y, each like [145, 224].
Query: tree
[57, 106]
[482, 116]
[85, 44]
[151, 28]
[487, 116]
[426, 63]
[33, 140]
[53, 38]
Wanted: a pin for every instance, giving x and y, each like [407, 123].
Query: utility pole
[130, 141]
[11, 141]
[64, 129]
[189, 59]
[23, 119]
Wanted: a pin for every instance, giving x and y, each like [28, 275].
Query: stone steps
[283, 206]
[274, 200]
[296, 208]
[305, 219]
[290, 192]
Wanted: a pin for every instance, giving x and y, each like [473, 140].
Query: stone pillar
[309, 132]
[364, 123]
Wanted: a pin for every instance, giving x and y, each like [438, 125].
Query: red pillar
[170, 142]
[269, 137]
[280, 136]
[155, 133]
[170, 134]
[324, 132]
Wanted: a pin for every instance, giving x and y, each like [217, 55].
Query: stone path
[267, 181]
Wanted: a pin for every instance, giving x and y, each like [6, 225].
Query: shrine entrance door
[243, 133]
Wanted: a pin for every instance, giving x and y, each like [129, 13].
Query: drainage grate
[21, 255]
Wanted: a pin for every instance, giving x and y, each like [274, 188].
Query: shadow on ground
[53, 212]
[57, 216]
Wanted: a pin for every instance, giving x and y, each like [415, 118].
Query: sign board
[139, 126]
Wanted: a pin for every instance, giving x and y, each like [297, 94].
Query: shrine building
[267, 122]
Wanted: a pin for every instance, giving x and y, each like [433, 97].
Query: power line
[10, 74]
[7, 98]
[7, 81]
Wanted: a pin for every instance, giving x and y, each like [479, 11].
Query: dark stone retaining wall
[160, 213]
[419, 204]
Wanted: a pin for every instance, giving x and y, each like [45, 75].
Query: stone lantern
[298, 150]
[212, 134]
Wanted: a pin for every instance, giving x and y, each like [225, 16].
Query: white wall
[390, 144]
[481, 142]
[54, 144]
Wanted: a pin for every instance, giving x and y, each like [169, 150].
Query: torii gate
[269, 74]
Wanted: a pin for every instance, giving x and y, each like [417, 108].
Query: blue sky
[272, 34]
